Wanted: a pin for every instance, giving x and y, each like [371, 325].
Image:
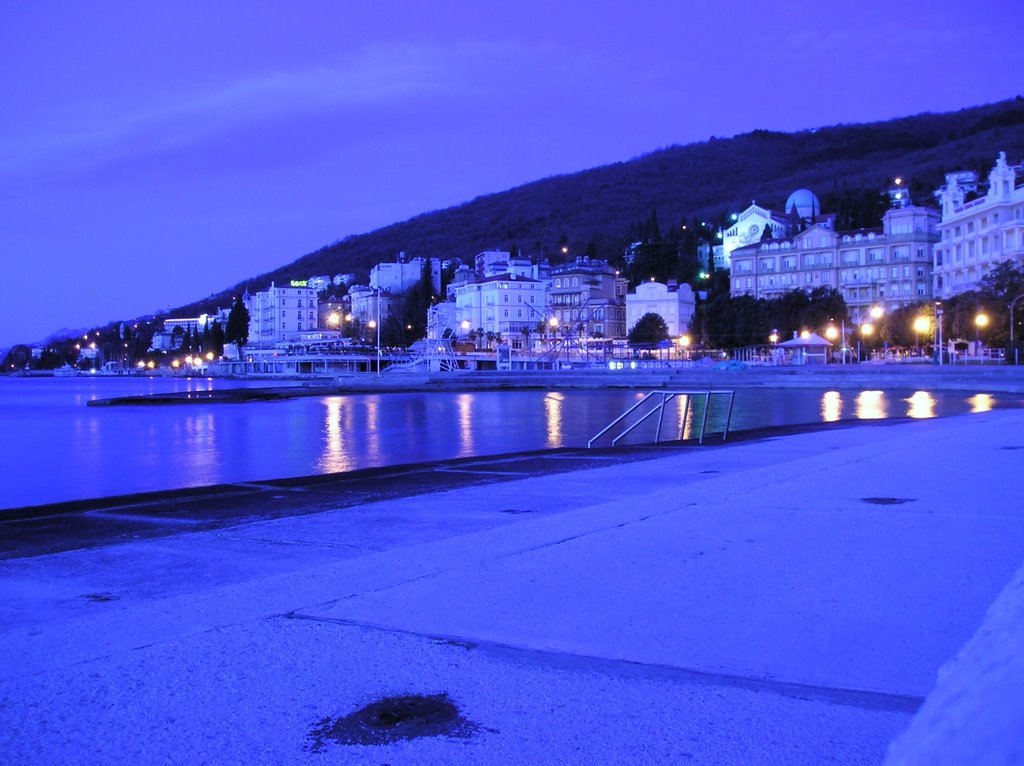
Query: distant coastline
[947, 378]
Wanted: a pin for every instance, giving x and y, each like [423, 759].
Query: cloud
[375, 77]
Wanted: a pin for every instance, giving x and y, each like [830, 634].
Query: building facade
[397, 278]
[980, 233]
[673, 303]
[757, 223]
[890, 267]
[369, 305]
[279, 313]
[509, 305]
[588, 296]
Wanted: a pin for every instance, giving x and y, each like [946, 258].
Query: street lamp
[921, 325]
[866, 331]
[980, 323]
[684, 344]
[831, 333]
[553, 324]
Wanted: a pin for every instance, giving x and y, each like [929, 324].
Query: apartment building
[588, 295]
[279, 313]
[890, 267]
[976, 232]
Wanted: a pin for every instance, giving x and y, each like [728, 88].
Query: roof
[812, 339]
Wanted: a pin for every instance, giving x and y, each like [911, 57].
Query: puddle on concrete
[393, 719]
[887, 500]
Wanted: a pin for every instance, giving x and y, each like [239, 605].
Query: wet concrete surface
[44, 529]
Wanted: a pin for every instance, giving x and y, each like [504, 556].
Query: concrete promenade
[790, 600]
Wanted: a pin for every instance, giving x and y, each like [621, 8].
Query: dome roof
[807, 205]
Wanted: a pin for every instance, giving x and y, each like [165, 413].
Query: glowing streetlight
[774, 337]
[922, 325]
[334, 319]
[866, 331]
[831, 332]
[980, 323]
[877, 312]
[684, 345]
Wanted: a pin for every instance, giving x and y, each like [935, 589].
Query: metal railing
[658, 408]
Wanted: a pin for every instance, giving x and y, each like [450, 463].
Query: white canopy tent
[808, 349]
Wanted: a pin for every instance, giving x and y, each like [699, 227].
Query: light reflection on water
[63, 450]
[333, 459]
[922, 405]
[553, 419]
[831, 406]
[981, 402]
[464, 404]
[870, 405]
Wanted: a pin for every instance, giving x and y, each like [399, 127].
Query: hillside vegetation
[597, 211]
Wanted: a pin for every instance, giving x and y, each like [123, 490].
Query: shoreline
[998, 379]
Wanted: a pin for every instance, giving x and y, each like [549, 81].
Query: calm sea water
[55, 448]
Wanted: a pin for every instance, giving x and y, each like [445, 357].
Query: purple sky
[152, 156]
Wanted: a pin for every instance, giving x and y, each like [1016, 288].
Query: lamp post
[938, 331]
[877, 312]
[378, 332]
[831, 332]
[1012, 304]
[980, 322]
[921, 325]
[866, 331]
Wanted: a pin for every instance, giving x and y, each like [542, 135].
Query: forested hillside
[599, 211]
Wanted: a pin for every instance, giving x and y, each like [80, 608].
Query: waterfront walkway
[779, 600]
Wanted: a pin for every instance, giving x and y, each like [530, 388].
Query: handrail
[666, 397]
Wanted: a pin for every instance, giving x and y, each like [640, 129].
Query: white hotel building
[280, 313]
[979, 234]
[674, 303]
[508, 304]
[890, 268]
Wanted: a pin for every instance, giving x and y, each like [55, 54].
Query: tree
[237, 331]
[217, 339]
[826, 305]
[17, 358]
[649, 329]
[999, 288]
